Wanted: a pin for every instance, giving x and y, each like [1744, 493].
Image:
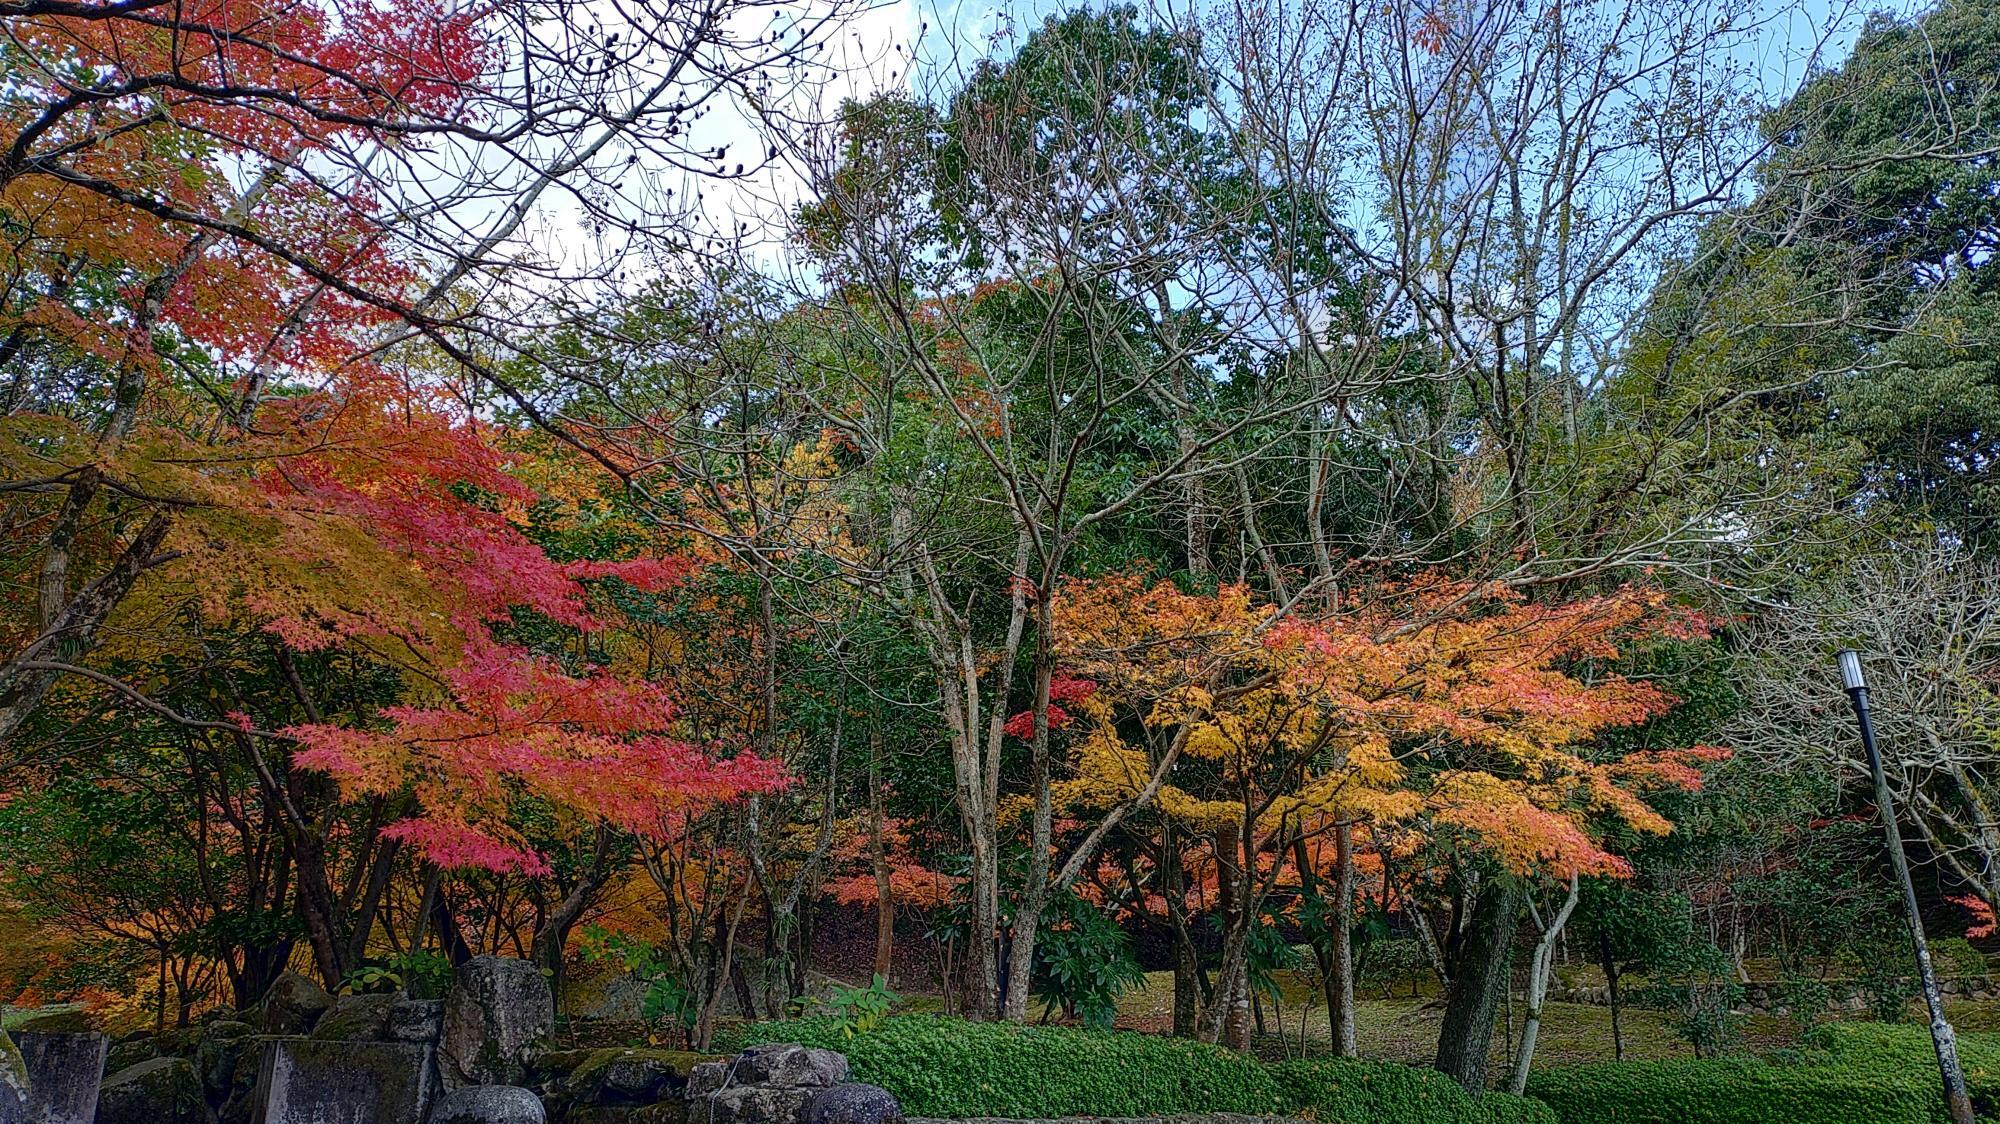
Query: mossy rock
[13, 1079]
[632, 1076]
[69, 1021]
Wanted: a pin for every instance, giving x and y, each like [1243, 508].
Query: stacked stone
[785, 1084]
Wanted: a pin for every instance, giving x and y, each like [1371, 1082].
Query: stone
[292, 1006]
[631, 1076]
[852, 1103]
[130, 1051]
[161, 1091]
[666, 1112]
[416, 1020]
[301, 1081]
[751, 1104]
[499, 1012]
[786, 1065]
[706, 1078]
[489, 1104]
[64, 1071]
[13, 1080]
[70, 1020]
[226, 1059]
[356, 1018]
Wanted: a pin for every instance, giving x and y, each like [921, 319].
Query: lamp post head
[1851, 679]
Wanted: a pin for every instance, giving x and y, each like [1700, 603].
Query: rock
[356, 1018]
[416, 1020]
[489, 1104]
[292, 1006]
[130, 1051]
[852, 1103]
[301, 1081]
[706, 1078]
[785, 1065]
[64, 1071]
[13, 1080]
[161, 1091]
[221, 1055]
[69, 1021]
[631, 1076]
[497, 1014]
[666, 1112]
[751, 1104]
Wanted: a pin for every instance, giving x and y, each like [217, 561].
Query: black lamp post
[1942, 1037]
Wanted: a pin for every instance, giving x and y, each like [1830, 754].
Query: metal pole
[1942, 1037]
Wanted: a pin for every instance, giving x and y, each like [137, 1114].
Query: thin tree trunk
[1540, 967]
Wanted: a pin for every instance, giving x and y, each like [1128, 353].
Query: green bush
[954, 1068]
[1906, 1052]
[1736, 1091]
[1331, 1090]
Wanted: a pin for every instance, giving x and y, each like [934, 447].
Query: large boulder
[356, 1018]
[66, 1020]
[226, 1059]
[292, 1006]
[301, 1081]
[751, 1104]
[416, 1020]
[64, 1071]
[769, 1084]
[489, 1104]
[497, 1014]
[852, 1103]
[788, 1066]
[161, 1091]
[630, 1077]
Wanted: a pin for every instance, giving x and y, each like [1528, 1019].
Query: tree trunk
[885, 902]
[1340, 983]
[1610, 964]
[1480, 979]
[1540, 967]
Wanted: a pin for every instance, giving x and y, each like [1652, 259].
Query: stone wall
[482, 1055]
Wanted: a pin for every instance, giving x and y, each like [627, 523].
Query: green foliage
[1335, 1089]
[1734, 1091]
[1882, 970]
[954, 1068]
[859, 1010]
[1805, 997]
[1393, 962]
[1083, 961]
[1955, 956]
[667, 1001]
[421, 973]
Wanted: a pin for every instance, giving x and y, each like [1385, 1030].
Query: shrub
[954, 1068]
[1331, 1090]
[1735, 1091]
[1906, 1052]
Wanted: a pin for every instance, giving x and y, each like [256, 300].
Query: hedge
[1737, 1091]
[1341, 1090]
[956, 1069]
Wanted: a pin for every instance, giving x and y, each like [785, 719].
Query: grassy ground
[1405, 1029]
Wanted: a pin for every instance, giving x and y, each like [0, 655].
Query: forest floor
[1405, 1028]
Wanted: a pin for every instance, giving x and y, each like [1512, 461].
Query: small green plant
[1083, 962]
[1695, 986]
[1880, 965]
[667, 1004]
[858, 1010]
[421, 974]
[1955, 957]
[1805, 997]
